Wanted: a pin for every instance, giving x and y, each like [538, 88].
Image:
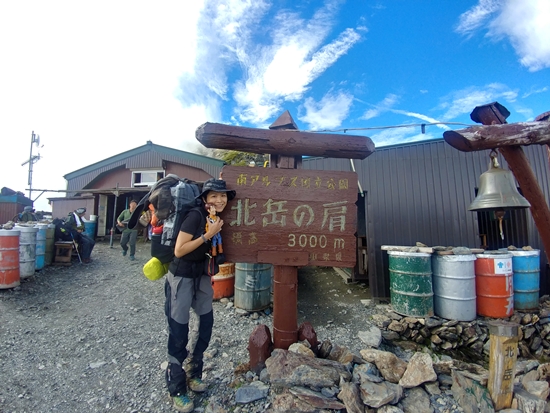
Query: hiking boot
[182, 403]
[124, 252]
[197, 385]
[132, 258]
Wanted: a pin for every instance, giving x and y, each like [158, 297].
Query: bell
[497, 190]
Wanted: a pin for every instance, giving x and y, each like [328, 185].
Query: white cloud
[535, 91]
[474, 18]
[383, 106]
[527, 24]
[401, 135]
[263, 74]
[524, 23]
[329, 112]
[464, 101]
[421, 117]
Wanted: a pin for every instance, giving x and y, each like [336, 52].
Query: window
[146, 178]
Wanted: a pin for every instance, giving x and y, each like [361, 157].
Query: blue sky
[97, 79]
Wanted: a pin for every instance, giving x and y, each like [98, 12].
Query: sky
[94, 79]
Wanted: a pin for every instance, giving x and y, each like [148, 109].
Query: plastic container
[40, 259]
[223, 282]
[526, 268]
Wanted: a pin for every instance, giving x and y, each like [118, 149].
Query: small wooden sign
[280, 215]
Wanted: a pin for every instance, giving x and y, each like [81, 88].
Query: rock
[366, 372]
[471, 395]
[419, 370]
[301, 349]
[259, 347]
[372, 337]
[307, 332]
[324, 349]
[252, 392]
[377, 394]
[340, 354]
[537, 388]
[527, 402]
[316, 399]
[351, 396]
[416, 400]
[388, 408]
[291, 369]
[390, 366]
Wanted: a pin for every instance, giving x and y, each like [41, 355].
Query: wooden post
[319, 205]
[502, 362]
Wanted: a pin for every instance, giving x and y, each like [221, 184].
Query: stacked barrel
[462, 286]
[24, 250]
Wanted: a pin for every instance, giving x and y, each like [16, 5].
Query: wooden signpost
[291, 216]
[286, 216]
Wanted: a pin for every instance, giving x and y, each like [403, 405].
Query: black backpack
[172, 198]
[62, 230]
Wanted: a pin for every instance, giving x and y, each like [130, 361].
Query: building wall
[421, 192]
[185, 171]
[62, 206]
[11, 205]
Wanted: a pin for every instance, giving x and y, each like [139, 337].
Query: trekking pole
[76, 248]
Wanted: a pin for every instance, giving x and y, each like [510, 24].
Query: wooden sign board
[290, 216]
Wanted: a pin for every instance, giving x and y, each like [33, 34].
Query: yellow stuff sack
[154, 269]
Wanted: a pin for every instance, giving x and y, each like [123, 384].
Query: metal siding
[421, 192]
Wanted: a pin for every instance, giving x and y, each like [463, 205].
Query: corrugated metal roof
[148, 156]
[156, 152]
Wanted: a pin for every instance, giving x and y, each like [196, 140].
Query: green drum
[411, 288]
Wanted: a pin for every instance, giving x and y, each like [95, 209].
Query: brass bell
[497, 190]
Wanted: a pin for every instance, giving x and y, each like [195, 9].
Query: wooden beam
[476, 138]
[519, 165]
[284, 142]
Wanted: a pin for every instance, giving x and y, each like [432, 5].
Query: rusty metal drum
[494, 284]
[454, 283]
[411, 287]
[27, 251]
[9, 258]
[253, 286]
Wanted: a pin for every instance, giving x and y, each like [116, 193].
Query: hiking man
[75, 220]
[128, 235]
[27, 215]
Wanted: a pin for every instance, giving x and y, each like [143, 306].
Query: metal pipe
[285, 306]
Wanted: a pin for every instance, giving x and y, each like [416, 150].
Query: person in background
[188, 286]
[27, 215]
[85, 243]
[129, 236]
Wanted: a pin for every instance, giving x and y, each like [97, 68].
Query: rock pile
[330, 377]
[468, 338]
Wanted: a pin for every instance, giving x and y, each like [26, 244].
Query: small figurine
[216, 239]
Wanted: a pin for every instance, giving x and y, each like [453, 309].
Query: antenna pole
[30, 167]
[32, 159]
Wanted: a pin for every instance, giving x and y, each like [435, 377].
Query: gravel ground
[92, 338]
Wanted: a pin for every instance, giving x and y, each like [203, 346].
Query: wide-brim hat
[80, 210]
[217, 185]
